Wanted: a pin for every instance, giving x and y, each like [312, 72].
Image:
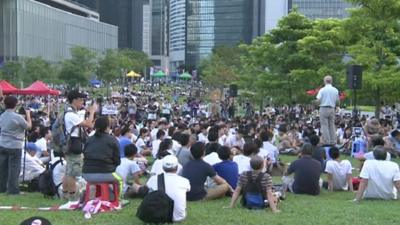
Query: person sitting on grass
[227, 169]
[197, 171]
[257, 164]
[129, 169]
[307, 172]
[339, 172]
[165, 149]
[379, 178]
[176, 186]
[243, 160]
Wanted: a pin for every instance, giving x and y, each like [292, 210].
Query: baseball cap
[36, 220]
[74, 94]
[169, 162]
[31, 147]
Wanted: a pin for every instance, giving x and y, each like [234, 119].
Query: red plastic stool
[103, 192]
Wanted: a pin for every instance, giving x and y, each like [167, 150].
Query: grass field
[328, 208]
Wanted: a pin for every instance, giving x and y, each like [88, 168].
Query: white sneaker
[71, 205]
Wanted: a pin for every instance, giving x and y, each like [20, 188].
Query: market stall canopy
[185, 76]
[133, 74]
[159, 74]
[7, 88]
[38, 88]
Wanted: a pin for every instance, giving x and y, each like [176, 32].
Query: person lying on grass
[262, 180]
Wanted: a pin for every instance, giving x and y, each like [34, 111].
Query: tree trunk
[377, 96]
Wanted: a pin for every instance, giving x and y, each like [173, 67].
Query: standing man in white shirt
[175, 186]
[379, 178]
[328, 98]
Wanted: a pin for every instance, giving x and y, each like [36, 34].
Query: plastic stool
[103, 192]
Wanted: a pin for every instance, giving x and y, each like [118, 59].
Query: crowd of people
[203, 150]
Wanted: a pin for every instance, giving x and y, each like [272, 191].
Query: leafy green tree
[12, 71]
[37, 69]
[222, 67]
[109, 68]
[373, 33]
[78, 69]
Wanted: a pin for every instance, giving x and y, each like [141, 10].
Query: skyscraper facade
[177, 32]
[315, 9]
[127, 15]
[212, 23]
[159, 33]
[31, 28]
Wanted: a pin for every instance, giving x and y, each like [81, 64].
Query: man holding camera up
[12, 136]
[74, 126]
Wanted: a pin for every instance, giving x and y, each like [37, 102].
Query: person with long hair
[101, 155]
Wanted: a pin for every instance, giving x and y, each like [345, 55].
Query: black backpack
[252, 195]
[46, 182]
[157, 206]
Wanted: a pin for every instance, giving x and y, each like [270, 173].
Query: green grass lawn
[328, 208]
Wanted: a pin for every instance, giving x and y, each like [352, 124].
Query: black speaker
[354, 77]
[233, 90]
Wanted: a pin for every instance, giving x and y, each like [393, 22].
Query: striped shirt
[266, 181]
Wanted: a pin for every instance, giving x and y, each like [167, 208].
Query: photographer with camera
[12, 137]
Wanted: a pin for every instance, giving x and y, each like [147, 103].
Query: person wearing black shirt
[197, 171]
[101, 155]
[307, 172]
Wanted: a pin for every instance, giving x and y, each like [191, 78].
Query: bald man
[328, 98]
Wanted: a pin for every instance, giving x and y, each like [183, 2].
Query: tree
[12, 71]
[373, 33]
[222, 67]
[78, 69]
[37, 69]
[109, 69]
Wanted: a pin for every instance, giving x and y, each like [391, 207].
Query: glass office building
[29, 29]
[177, 29]
[159, 32]
[314, 9]
[212, 23]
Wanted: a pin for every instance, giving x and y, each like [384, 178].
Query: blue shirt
[123, 141]
[228, 170]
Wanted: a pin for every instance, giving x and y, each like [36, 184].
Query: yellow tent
[133, 74]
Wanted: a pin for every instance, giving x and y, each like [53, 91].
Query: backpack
[252, 196]
[157, 206]
[60, 139]
[46, 183]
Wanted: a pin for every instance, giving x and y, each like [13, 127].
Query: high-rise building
[159, 33]
[274, 11]
[314, 9]
[127, 15]
[31, 28]
[212, 23]
[177, 33]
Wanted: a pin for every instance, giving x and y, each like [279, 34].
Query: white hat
[169, 162]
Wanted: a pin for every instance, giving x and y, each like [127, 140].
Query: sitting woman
[101, 155]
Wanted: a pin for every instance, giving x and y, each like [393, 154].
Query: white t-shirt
[370, 156]
[381, 176]
[153, 133]
[243, 163]
[222, 140]
[126, 168]
[176, 188]
[339, 171]
[140, 145]
[59, 170]
[73, 119]
[155, 146]
[33, 167]
[328, 96]
[157, 168]
[212, 158]
[232, 141]
[269, 150]
[203, 138]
